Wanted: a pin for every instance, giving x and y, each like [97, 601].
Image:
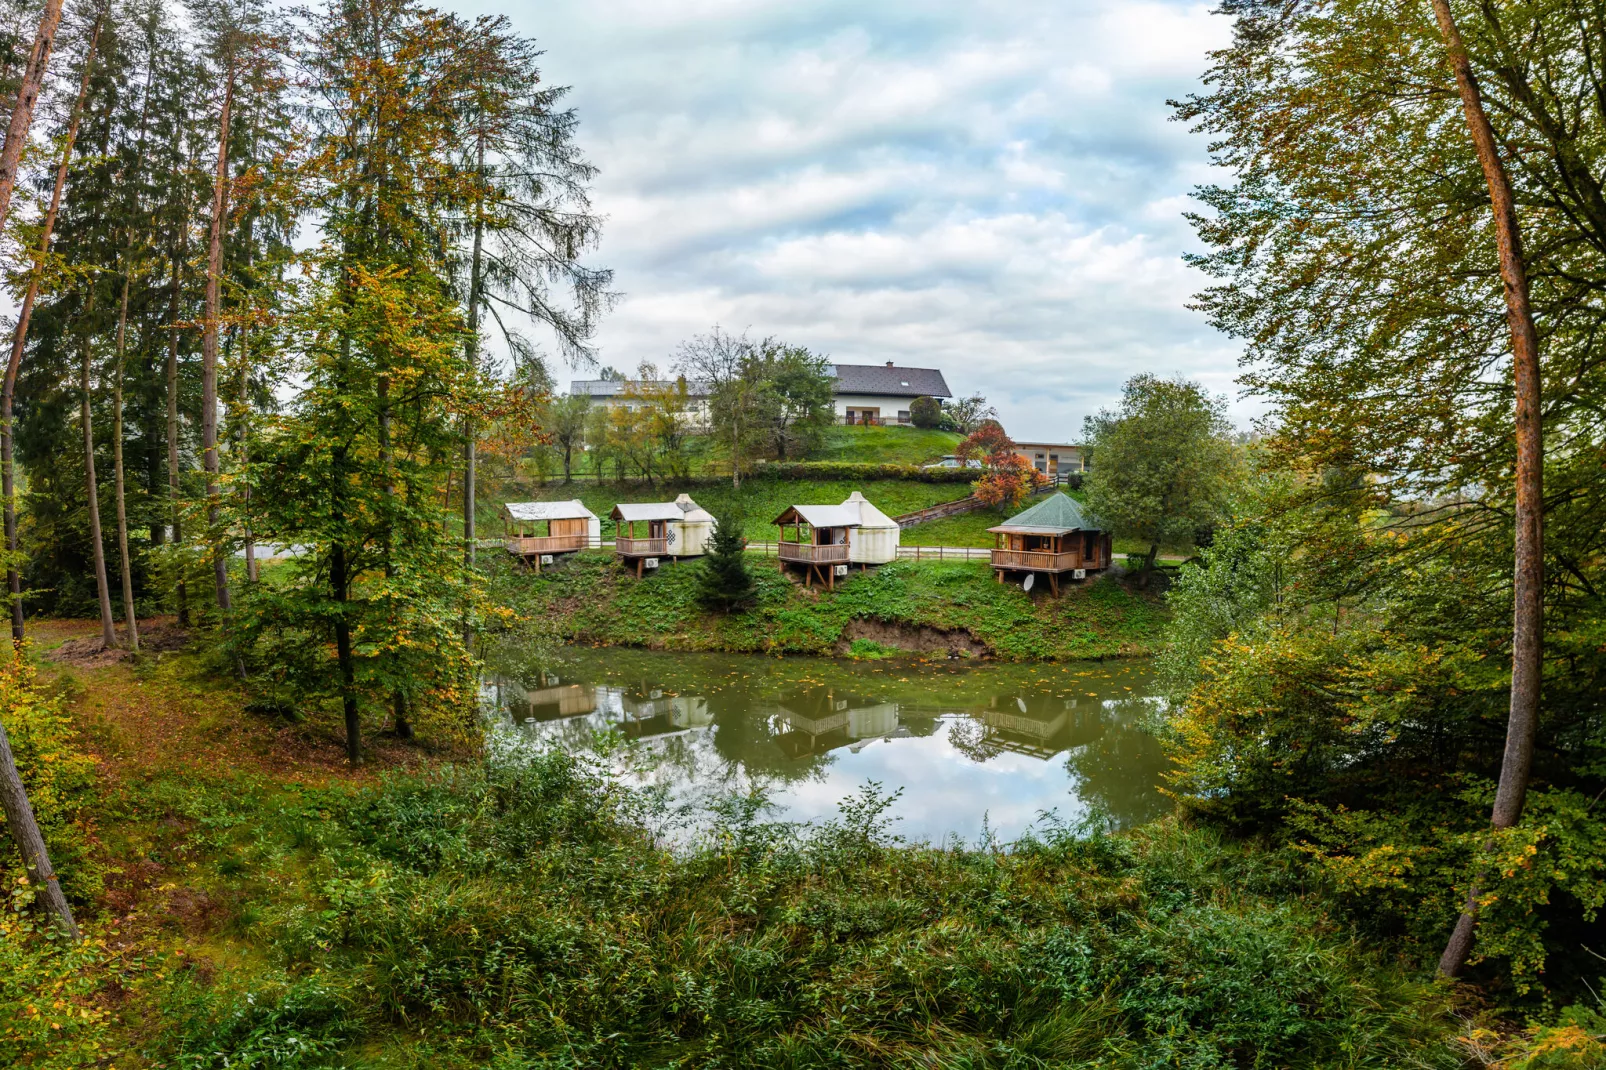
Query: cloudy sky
[994, 189]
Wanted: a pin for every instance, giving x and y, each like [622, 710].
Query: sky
[992, 189]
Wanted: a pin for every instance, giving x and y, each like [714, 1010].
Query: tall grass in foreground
[519, 916]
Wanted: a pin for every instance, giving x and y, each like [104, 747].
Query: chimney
[889, 363]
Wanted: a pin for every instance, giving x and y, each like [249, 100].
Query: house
[1055, 459]
[676, 529]
[1053, 537]
[538, 531]
[819, 542]
[882, 394]
[631, 393]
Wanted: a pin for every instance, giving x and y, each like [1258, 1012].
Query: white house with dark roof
[863, 393]
[882, 393]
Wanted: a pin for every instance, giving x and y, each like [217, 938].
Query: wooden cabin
[814, 540]
[1053, 537]
[647, 531]
[538, 531]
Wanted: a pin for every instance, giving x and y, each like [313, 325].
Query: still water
[974, 748]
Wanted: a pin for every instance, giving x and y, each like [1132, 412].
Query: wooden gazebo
[818, 542]
[652, 541]
[1053, 537]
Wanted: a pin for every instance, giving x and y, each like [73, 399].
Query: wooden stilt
[639, 562]
[1054, 582]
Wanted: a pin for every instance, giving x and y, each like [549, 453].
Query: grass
[588, 598]
[886, 445]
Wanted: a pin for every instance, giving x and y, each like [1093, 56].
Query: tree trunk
[209, 333]
[244, 446]
[130, 619]
[471, 355]
[173, 495]
[108, 633]
[1529, 564]
[27, 96]
[8, 485]
[340, 583]
[25, 834]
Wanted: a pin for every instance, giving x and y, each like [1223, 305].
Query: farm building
[538, 531]
[1053, 537]
[875, 540]
[651, 530]
[819, 540]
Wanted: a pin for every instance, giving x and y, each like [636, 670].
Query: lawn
[886, 445]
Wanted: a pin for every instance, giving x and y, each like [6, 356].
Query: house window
[903, 416]
[1041, 465]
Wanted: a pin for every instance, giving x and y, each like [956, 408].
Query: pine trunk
[173, 497]
[8, 484]
[33, 79]
[108, 632]
[1529, 563]
[25, 834]
[130, 619]
[471, 354]
[209, 337]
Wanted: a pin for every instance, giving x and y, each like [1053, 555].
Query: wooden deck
[532, 545]
[658, 547]
[1036, 561]
[803, 553]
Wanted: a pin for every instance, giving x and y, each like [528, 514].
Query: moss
[588, 598]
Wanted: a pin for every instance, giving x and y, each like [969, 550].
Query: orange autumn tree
[1007, 478]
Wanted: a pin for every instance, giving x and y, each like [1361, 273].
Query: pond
[975, 748]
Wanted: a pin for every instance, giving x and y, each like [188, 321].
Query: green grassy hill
[886, 445]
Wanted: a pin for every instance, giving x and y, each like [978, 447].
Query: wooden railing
[626, 547]
[810, 554]
[527, 545]
[1036, 560]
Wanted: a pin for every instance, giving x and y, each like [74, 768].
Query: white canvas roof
[632, 511]
[825, 516]
[570, 510]
[869, 515]
[691, 512]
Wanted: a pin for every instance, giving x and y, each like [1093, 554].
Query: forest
[305, 277]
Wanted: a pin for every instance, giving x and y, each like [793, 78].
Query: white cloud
[990, 188]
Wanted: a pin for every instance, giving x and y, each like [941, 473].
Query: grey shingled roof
[1054, 515]
[896, 382]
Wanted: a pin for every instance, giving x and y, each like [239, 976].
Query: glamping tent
[818, 542]
[875, 540]
[1053, 537]
[539, 530]
[680, 528]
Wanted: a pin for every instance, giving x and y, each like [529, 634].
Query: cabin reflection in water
[1040, 726]
[551, 701]
[822, 719]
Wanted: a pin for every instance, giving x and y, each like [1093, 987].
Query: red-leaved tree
[1007, 478]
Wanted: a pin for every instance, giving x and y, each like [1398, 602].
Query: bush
[925, 413]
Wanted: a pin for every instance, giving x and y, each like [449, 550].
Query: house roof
[821, 516]
[612, 388]
[630, 511]
[869, 515]
[889, 380]
[1054, 515]
[570, 510]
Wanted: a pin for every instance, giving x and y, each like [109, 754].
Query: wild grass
[517, 915]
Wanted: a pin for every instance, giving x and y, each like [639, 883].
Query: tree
[1165, 463]
[1007, 478]
[795, 392]
[722, 363]
[33, 80]
[568, 419]
[725, 583]
[925, 413]
[968, 414]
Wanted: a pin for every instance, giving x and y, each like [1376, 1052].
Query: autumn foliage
[1007, 479]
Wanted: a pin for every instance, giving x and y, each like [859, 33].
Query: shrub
[725, 582]
[925, 413]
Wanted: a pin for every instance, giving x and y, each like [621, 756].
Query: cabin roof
[821, 516]
[1057, 514]
[691, 512]
[869, 515]
[632, 511]
[569, 510]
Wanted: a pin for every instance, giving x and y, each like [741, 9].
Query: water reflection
[966, 743]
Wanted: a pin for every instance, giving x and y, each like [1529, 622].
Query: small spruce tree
[726, 582]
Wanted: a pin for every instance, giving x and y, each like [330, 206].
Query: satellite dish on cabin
[1026, 584]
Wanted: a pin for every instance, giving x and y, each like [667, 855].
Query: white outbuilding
[688, 536]
[874, 541]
